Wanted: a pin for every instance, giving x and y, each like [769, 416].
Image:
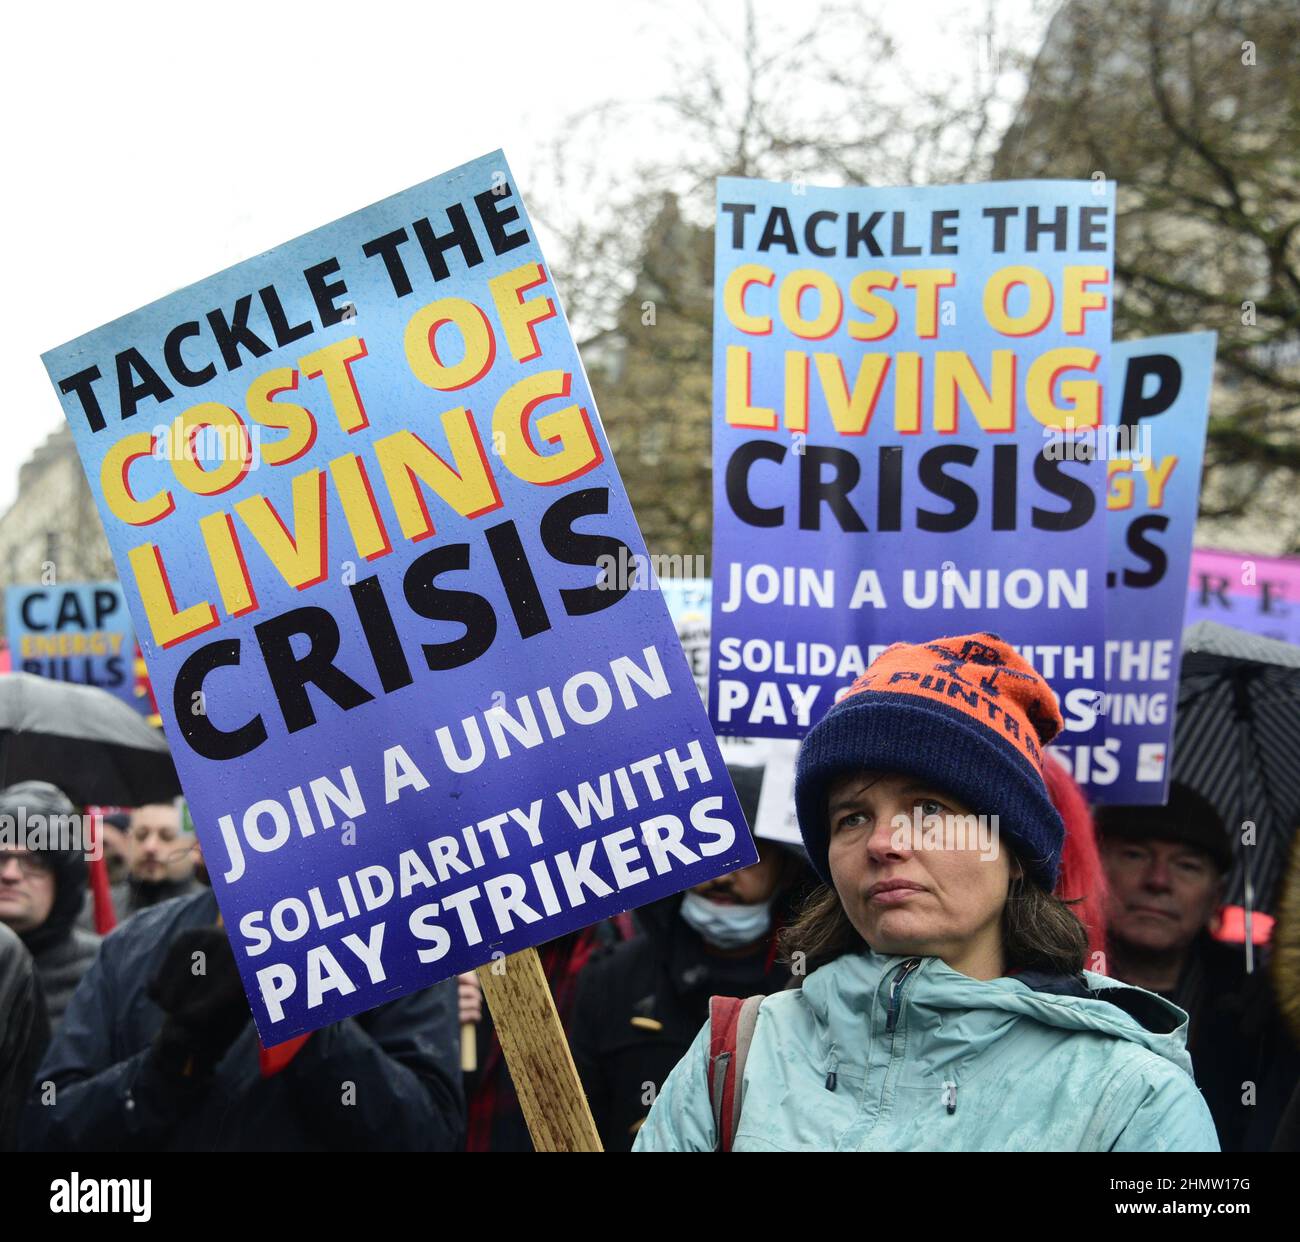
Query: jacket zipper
[832, 1070]
[896, 993]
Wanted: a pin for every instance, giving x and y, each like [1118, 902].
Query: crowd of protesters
[1070, 993]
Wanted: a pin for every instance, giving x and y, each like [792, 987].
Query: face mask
[726, 927]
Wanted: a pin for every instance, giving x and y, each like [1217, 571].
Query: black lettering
[325, 293]
[180, 370]
[1005, 464]
[381, 634]
[810, 233]
[738, 467]
[1134, 406]
[28, 601]
[1092, 227]
[495, 214]
[386, 247]
[897, 245]
[571, 547]
[889, 489]
[1146, 550]
[1035, 228]
[1000, 216]
[70, 612]
[778, 232]
[1218, 591]
[203, 737]
[943, 225]
[958, 493]
[1082, 501]
[866, 232]
[1269, 593]
[833, 492]
[105, 606]
[131, 363]
[291, 674]
[460, 237]
[737, 212]
[279, 321]
[233, 333]
[81, 384]
[517, 577]
[436, 603]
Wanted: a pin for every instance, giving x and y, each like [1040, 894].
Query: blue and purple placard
[366, 516]
[1159, 408]
[906, 385]
[79, 632]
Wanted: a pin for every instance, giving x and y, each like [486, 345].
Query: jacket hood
[965, 1015]
[39, 798]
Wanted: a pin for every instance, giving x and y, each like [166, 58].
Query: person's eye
[932, 806]
[853, 819]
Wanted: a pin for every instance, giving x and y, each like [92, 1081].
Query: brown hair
[1039, 931]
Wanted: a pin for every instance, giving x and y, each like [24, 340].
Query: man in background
[1165, 866]
[154, 1055]
[163, 857]
[43, 888]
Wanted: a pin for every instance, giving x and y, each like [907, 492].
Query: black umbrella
[91, 745]
[1237, 741]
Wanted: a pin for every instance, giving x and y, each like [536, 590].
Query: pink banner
[1256, 593]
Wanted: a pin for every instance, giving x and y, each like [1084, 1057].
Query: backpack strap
[731, 1031]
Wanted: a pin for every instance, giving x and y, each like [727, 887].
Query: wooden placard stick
[537, 1054]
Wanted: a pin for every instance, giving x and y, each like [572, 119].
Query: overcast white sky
[152, 144]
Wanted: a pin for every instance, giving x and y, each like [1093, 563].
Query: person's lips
[1153, 911]
[893, 892]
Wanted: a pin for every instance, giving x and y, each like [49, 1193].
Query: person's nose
[10, 870]
[886, 843]
[1158, 878]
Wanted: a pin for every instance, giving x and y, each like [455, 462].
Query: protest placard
[690, 601]
[1256, 593]
[359, 495]
[79, 632]
[1158, 409]
[897, 374]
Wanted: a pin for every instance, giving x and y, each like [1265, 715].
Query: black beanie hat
[1188, 818]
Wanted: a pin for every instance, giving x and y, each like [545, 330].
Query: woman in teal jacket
[944, 1005]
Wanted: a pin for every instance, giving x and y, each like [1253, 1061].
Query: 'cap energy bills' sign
[359, 495]
[79, 632]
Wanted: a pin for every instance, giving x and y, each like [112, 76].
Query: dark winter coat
[61, 949]
[1245, 1061]
[641, 1004]
[24, 1031]
[386, 1080]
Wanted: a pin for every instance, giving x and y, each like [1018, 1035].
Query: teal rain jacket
[881, 1053]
